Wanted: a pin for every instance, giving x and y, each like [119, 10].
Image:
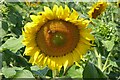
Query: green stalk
[112, 17]
[54, 73]
[106, 62]
[96, 53]
[99, 59]
[100, 62]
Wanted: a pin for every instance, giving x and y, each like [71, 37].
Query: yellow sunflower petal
[67, 61]
[45, 60]
[52, 63]
[85, 33]
[82, 48]
[58, 63]
[77, 64]
[81, 23]
[60, 13]
[31, 60]
[49, 62]
[40, 59]
[73, 16]
[35, 18]
[29, 42]
[85, 41]
[75, 56]
[59, 67]
[28, 51]
[65, 64]
[28, 35]
[30, 28]
[35, 56]
[70, 59]
[48, 13]
[38, 21]
[55, 8]
[79, 52]
[66, 12]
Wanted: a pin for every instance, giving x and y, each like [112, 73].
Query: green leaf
[18, 68]
[108, 44]
[13, 44]
[113, 63]
[5, 25]
[34, 68]
[91, 71]
[8, 72]
[40, 73]
[2, 31]
[23, 74]
[75, 73]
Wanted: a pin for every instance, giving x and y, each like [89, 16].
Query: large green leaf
[91, 71]
[2, 31]
[23, 74]
[75, 72]
[5, 25]
[13, 44]
[8, 72]
[39, 72]
[34, 68]
[108, 44]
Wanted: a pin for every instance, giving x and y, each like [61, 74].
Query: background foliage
[103, 61]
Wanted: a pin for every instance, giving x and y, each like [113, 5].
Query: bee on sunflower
[56, 38]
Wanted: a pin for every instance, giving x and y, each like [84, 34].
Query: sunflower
[32, 4]
[56, 38]
[97, 9]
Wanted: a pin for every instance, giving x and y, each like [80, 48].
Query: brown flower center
[57, 37]
[97, 11]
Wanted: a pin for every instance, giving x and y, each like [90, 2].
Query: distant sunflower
[32, 4]
[118, 3]
[97, 9]
[56, 38]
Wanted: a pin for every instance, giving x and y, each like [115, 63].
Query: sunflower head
[32, 4]
[97, 9]
[56, 38]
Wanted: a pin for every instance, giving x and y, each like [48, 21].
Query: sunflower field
[60, 39]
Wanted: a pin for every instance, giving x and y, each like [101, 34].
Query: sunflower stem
[55, 73]
[99, 59]
[112, 17]
[95, 51]
[106, 62]
[100, 62]
[65, 72]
